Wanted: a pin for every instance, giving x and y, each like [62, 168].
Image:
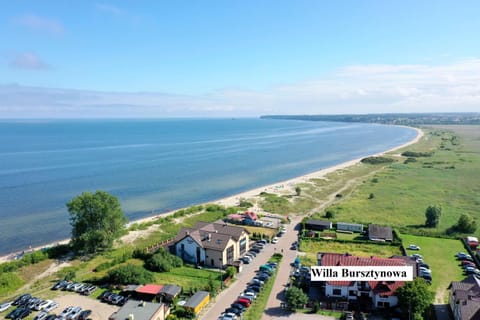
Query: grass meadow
[402, 192]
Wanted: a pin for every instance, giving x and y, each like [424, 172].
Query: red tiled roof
[386, 288]
[251, 215]
[150, 289]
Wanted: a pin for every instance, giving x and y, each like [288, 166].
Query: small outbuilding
[198, 301]
[318, 225]
[353, 227]
[379, 233]
[169, 292]
[148, 292]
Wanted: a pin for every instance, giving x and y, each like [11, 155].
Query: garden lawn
[188, 278]
[311, 248]
[439, 254]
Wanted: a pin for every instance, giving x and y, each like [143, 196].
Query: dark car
[51, 317]
[236, 311]
[261, 278]
[254, 288]
[256, 250]
[19, 313]
[238, 306]
[22, 299]
[84, 314]
[264, 274]
[60, 285]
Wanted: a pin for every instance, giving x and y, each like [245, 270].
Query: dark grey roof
[380, 232]
[318, 222]
[467, 297]
[196, 299]
[140, 310]
[220, 227]
[171, 290]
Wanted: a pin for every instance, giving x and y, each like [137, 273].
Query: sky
[219, 58]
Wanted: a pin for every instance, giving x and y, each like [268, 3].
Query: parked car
[66, 312]
[60, 285]
[263, 241]
[246, 260]
[229, 316]
[256, 282]
[275, 240]
[244, 302]
[51, 317]
[257, 289]
[417, 256]
[84, 314]
[413, 247]
[21, 299]
[50, 306]
[41, 316]
[238, 306]
[468, 263]
[74, 313]
[424, 265]
[4, 306]
[19, 313]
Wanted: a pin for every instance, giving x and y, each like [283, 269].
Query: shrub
[330, 214]
[377, 160]
[129, 274]
[416, 154]
[163, 261]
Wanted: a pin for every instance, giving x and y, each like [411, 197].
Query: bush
[129, 274]
[377, 160]
[163, 261]
[416, 154]
[330, 214]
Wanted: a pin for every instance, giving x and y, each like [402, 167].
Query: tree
[466, 224]
[97, 220]
[414, 297]
[298, 191]
[231, 271]
[330, 214]
[432, 215]
[295, 298]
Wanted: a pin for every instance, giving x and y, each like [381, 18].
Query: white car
[75, 313]
[42, 315]
[413, 247]
[5, 306]
[66, 312]
[50, 306]
[274, 240]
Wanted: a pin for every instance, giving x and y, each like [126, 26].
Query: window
[243, 246]
[230, 254]
[352, 293]
[337, 292]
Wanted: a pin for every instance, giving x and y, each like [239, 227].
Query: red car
[244, 302]
[467, 263]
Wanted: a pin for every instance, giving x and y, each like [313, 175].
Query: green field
[439, 254]
[402, 191]
[311, 248]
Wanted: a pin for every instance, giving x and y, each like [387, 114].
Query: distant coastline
[233, 199]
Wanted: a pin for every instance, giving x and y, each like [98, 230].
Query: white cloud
[116, 11]
[38, 23]
[28, 60]
[353, 89]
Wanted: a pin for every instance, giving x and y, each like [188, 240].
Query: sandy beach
[278, 188]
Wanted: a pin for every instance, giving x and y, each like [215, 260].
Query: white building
[378, 294]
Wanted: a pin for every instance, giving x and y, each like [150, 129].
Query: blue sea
[154, 166]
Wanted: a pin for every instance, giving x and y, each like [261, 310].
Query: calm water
[159, 165]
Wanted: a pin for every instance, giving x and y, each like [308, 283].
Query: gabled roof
[171, 290]
[251, 215]
[214, 235]
[140, 310]
[386, 288]
[380, 232]
[467, 297]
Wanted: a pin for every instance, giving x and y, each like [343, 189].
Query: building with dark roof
[465, 298]
[379, 233]
[141, 310]
[169, 292]
[214, 244]
[369, 294]
[318, 225]
[353, 227]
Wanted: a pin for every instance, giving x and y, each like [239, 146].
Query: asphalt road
[272, 310]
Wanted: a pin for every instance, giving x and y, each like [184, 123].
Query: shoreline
[232, 200]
